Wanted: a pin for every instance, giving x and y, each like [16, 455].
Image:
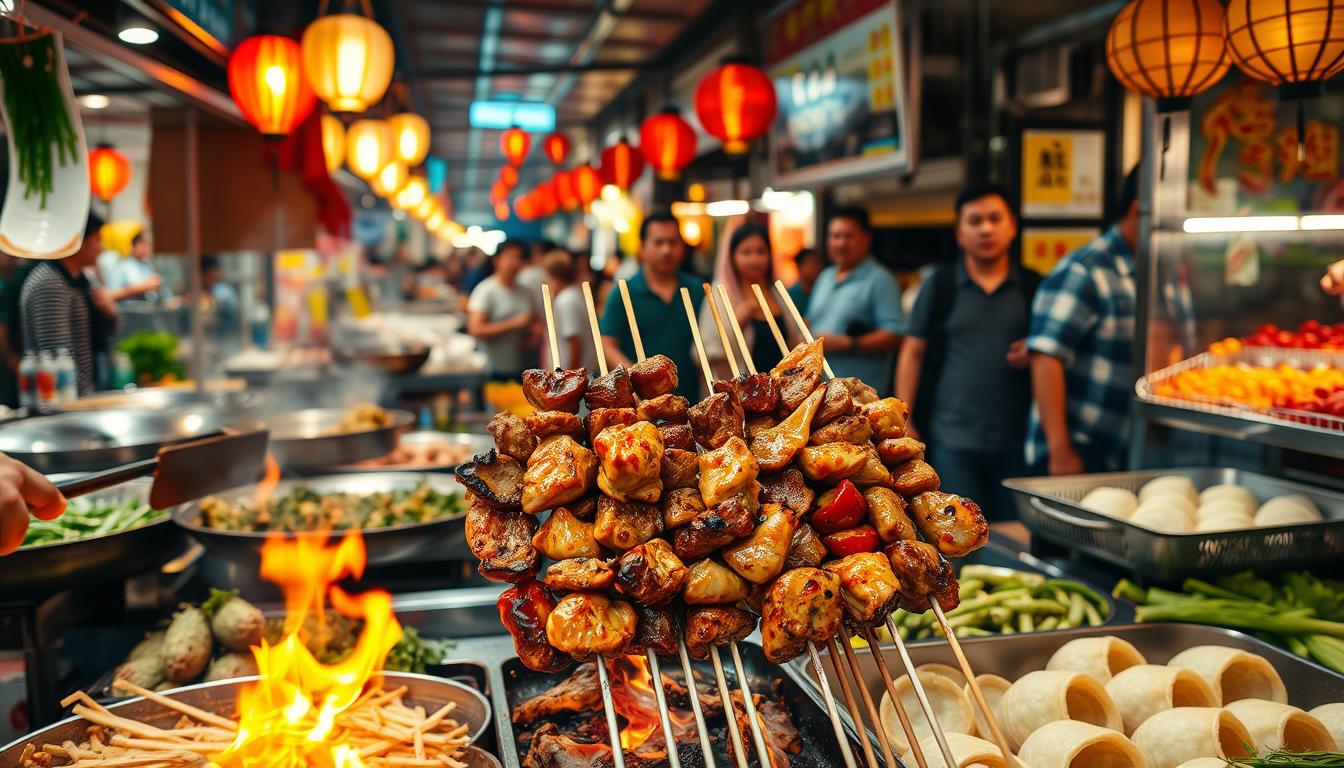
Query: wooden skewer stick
[976, 693]
[846, 644]
[798, 318]
[737, 327]
[850, 703]
[923, 697]
[723, 334]
[597, 332]
[630, 318]
[556, 362]
[825, 685]
[890, 682]
[770, 318]
[695, 335]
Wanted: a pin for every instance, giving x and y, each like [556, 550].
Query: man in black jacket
[963, 366]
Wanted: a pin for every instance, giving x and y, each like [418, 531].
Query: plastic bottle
[46, 382]
[28, 381]
[123, 373]
[67, 378]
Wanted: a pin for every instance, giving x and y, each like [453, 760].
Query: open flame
[269, 482]
[284, 718]
[633, 696]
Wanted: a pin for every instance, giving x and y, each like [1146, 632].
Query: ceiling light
[94, 101]
[1316, 222]
[727, 207]
[137, 32]
[1241, 224]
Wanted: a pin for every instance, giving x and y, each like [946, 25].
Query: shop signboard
[1043, 247]
[214, 17]
[839, 74]
[1063, 174]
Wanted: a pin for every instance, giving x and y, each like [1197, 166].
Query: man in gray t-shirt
[498, 314]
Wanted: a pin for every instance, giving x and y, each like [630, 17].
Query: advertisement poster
[1043, 247]
[838, 69]
[1063, 174]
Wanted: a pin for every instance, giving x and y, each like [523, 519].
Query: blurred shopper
[855, 306]
[135, 277]
[221, 296]
[572, 330]
[499, 313]
[745, 261]
[810, 263]
[24, 492]
[1081, 341]
[59, 310]
[1333, 281]
[655, 295]
[475, 269]
[11, 329]
[963, 366]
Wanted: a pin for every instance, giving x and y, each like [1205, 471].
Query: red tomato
[845, 508]
[852, 542]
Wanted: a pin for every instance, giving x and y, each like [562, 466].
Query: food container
[89, 441]
[394, 359]
[313, 438]
[470, 444]
[1048, 506]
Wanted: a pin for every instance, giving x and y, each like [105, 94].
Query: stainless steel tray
[161, 398]
[474, 442]
[1049, 507]
[308, 439]
[93, 440]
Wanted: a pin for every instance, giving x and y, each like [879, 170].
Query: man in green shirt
[655, 295]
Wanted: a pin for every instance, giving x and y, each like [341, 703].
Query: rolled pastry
[1233, 674]
[1274, 725]
[1100, 657]
[1204, 762]
[1143, 691]
[1229, 492]
[1332, 717]
[1163, 518]
[950, 706]
[993, 687]
[1168, 484]
[1112, 502]
[945, 670]
[1071, 744]
[968, 751]
[1038, 698]
[1170, 738]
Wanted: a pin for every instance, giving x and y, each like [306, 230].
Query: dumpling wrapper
[1223, 507]
[1038, 698]
[1169, 501]
[1232, 673]
[1178, 735]
[1163, 519]
[993, 687]
[1332, 717]
[1239, 494]
[1111, 502]
[1168, 484]
[1274, 725]
[946, 670]
[1144, 690]
[1071, 744]
[1230, 521]
[950, 706]
[1100, 657]
[968, 751]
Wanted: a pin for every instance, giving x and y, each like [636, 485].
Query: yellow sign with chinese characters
[1062, 174]
[1043, 247]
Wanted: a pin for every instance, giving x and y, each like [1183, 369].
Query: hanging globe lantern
[410, 137]
[499, 191]
[390, 179]
[502, 210]
[736, 104]
[368, 147]
[435, 220]
[109, 172]
[525, 207]
[587, 184]
[412, 194]
[557, 147]
[1292, 43]
[509, 175]
[426, 208]
[266, 80]
[563, 183]
[547, 203]
[1168, 50]
[515, 143]
[333, 142]
[622, 165]
[668, 143]
[348, 61]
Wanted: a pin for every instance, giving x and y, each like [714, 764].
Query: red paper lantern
[736, 103]
[668, 143]
[499, 191]
[557, 147]
[509, 175]
[587, 184]
[267, 82]
[563, 182]
[109, 172]
[547, 201]
[502, 210]
[515, 143]
[622, 165]
[525, 207]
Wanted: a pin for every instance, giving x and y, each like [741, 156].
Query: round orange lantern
[547, 203]
[266, 80]
[515, 143]
[557, 147]
[736, 104]
[563, 182]
[348, 60]
[668, 143]
[502, 210]
[509, 175]
[499, 191]
[622, 165]
[587, 184]
[1168, 50]
[109, 172]
[1287, 42]
[525, 207]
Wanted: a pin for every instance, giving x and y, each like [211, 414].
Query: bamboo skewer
[890, 683]
[597, 332]
[723, 339]
[846, 645]
[630, 318]
[736, 326]
[802, 324]
[556, 362]
[833, 648]
[770, 318]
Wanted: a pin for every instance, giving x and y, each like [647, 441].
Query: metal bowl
[88, 441]
[221, 697]
[474, 442]
[160, 399]
[310, 438]
[395, 359]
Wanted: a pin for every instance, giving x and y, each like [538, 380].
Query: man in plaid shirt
[1081, 340]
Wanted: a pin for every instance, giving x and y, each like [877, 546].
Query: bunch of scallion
[1298, 611]
[40, 122]
[1282, 758]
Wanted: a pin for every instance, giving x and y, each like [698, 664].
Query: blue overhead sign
[531, 116]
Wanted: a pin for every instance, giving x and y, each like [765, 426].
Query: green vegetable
[153, 355]
[413, 653]
[236, 623]
[1282, 758]
[40, 122]
[187, 645]
[91, 516]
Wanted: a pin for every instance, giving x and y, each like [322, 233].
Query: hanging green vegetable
[36, 107]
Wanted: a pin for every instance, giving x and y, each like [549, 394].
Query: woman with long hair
[746, 261]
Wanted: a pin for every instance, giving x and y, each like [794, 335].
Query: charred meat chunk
[599, 419]
[837, 403]
[651, 573]
[868, 587]
[887, 512]
[523, 610]
[622, 525]
[715, 625]
[715, 420]
[502, 541]
[888, 417]
[861, 392]
[580, 574]
[954, 524]
[654, 376]
[710, 583]
[760, 557]
[580, 692]
[681, 467]
[669, 408]
[714, 528]
[677, 436]
[776, 447]
[853, 428]
[798, 375]
[658, 631]
[923, 574]
[546, 424]
[914, 477]
[494, 478]
[832, 462]
[873, 472]
[512, 437]
[788, 489]
[727, 471]
[585, 624]
[560, 471]
[802, 605]
[632, 462]
[610, 391]
[584, 508]
[680, 506]
[756, 393]
[757, 425]
[899, 450]
[555, 390]
[806, 549]
[563, 536]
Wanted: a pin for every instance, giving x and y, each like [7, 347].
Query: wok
[473, 443]
[159, 399]
[311, 438]
[395, 359]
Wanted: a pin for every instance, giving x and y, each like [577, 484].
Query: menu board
[839, 74]
[1062, 174]
[1043, 247]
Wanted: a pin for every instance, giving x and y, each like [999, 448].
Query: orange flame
[284, 718]
[635, 700]
[269, 481]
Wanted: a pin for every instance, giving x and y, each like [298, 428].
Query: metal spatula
[186, 471]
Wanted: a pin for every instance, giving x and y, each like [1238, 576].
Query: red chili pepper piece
[842, 507]
[853, 541]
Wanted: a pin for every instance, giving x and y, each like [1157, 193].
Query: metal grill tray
[1049, 507]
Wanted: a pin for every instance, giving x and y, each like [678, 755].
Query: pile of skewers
[789, 495]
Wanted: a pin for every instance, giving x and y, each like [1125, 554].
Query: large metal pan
[311, 438]
[93, 440]
[221, 697]
[160, 399]
[472, 443]
[395, 359]
[397, 543]
[35, 572]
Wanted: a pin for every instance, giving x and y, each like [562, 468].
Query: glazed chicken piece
[680, 506]
[760, 557]
[853, 428]
[954, 524]
[610, 391]
[837, 403]
[501, 541]
[923, 574]
[776, 447]
[670, 408]
[798, 375]
[715, 420]
[681, 468]
[651, 573]
[726, 472]
[802, 605]
[899, 450]
[495, 479]
[861, 392]
[632, 462]
[873, 472]
[555, 390]
[757, 425]
[806, 549]
[512, 437]
[715, 625]
[677, 436]
[788, 489]
[888, 417]
[887, 511]
[560, 471]
[585, 624]
[563, 536]
[709, 583]
[545, 424]
[832, 462]
[714, 528]
[659, 631]
[868, 588]
[584, 509]
[755, 393]
[914, 477]
[599, 419]
[523, 610]
[622, 525]
[654, 376]
[581, 574]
